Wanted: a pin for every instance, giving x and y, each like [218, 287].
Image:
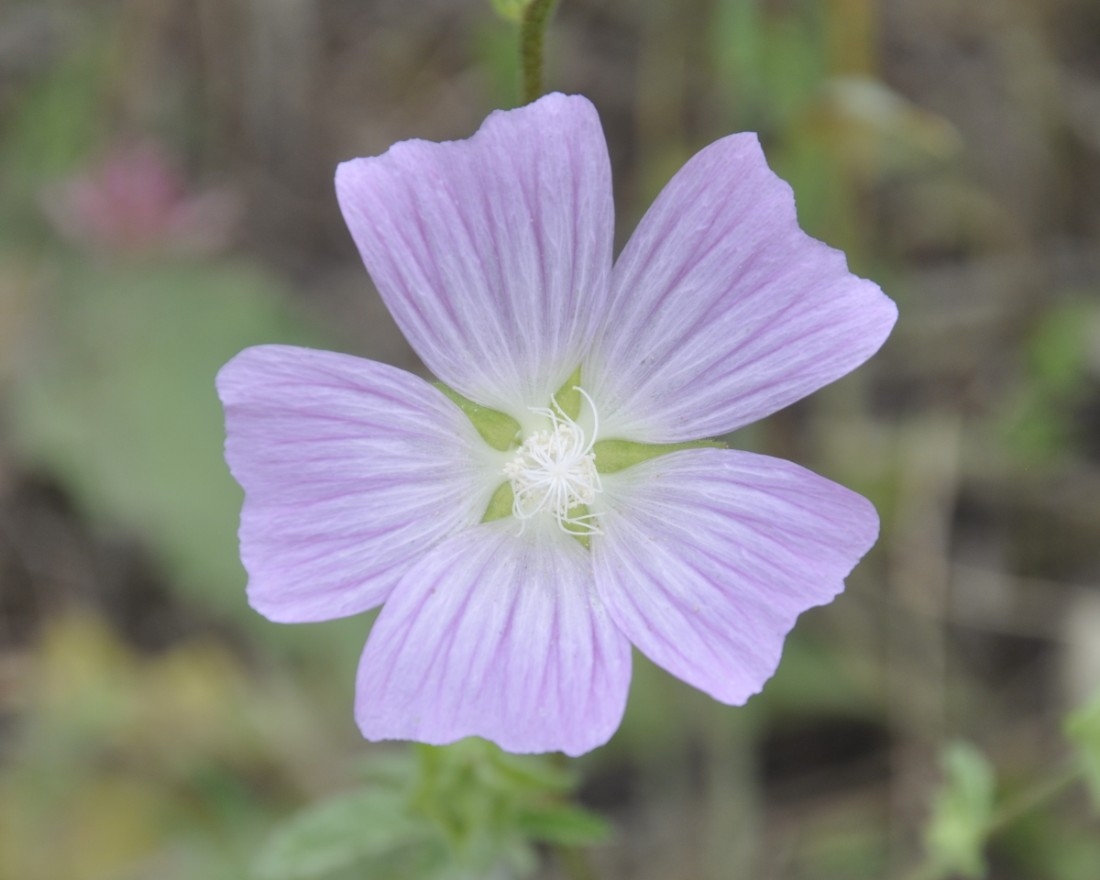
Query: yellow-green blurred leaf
[511, 10]
[563, 825]
[339, 833]
[1083, 730]
[961, 812]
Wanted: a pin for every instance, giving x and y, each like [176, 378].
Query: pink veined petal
[351, 470]
[709, 555]
[493, 253]
[722, 310]
[497, 635]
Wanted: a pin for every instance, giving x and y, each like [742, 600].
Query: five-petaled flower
[527, 522]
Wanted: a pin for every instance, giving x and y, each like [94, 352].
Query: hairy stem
[536, 16]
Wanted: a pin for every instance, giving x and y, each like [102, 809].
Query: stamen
[554, 472]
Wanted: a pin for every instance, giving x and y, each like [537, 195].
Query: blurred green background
[166, 199]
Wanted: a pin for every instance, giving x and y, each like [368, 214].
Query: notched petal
[351, 471]
[499, 636]
[709, 555]
[723, 310]
[494, 253]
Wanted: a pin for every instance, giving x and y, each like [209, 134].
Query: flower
[548, 507]
[135, 201]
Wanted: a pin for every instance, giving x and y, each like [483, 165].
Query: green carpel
[616, 455]
[497, 429]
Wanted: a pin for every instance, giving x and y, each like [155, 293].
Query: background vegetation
[166, 199]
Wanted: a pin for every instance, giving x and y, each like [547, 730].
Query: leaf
[563, 825]
[1083, 730]
[510, 10]
[117, 400]
[342, 832]
[529, 773]
[961, 812]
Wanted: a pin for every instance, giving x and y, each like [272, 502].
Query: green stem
[1034, 797]
[536, 16]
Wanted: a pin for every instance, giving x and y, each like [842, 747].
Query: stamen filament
[554, 472]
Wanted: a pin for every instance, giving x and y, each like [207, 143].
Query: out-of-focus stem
[536, 16]
[1038, 795]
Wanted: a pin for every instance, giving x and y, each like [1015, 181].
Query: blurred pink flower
[135, 201]
[366, 485]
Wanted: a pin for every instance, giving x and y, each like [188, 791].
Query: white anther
[554, 472]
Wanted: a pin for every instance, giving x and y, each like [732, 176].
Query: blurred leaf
[534, 773]
[341, 832]
[119, 403]
[511, 10]
[563, 825]
[1059, 347]
[129, 766]
[873, 129]
[772, 58]
[1041, 420]
[961, 812]
[392, 768]
[1053, 846]
[53, 127]
[1083, 730]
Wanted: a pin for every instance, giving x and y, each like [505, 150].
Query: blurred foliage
[961, 813]
[117, 399]
[510, 10]
[127, 766]
[1083, 728]
[465, 811]
[1041, 422]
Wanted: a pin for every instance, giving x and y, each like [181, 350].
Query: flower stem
[536, 16]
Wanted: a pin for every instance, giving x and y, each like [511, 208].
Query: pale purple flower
[366, 485]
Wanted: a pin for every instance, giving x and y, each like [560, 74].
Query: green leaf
[530, 773]
[117, 400]
[961, 812]
[1083, 730]
[563, 825]
[1059, 349]
[342, 832]
[510, 10]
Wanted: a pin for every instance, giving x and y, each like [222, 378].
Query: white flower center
[554, 472]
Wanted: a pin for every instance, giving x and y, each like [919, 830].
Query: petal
[723, 310]
[497, 635]
[709, 555]
[351, 470]
[494, 253]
